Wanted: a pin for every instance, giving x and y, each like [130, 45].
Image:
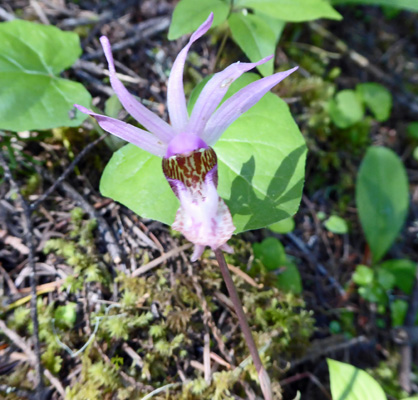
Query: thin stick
[66, 172]
[262, 374]
[27, 225]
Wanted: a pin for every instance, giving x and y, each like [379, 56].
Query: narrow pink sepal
[130, 133]
[145, 117]
[213, 93]
[176, 100]
[238, 104]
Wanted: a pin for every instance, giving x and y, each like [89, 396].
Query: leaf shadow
[348, 389]
[264, 211]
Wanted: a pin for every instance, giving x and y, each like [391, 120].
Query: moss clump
[151, 335]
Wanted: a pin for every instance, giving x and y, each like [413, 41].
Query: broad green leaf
[345, 109]
[284, 226]
[336, 224]
[289, 279]
[32, 94]
[271, 253]
[363, 275]
[261, 159]
[382, 198]
[135, 178]
[411, 5]
[377, 98]
[190, 14]
[255, 38]
[351, 383]
[403, 272]
[292, 11]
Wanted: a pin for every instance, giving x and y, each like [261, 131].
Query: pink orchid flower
[189, 162]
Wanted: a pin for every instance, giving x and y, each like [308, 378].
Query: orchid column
[189, 162]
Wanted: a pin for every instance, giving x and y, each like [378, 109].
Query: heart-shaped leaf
[32, 95]
[346, 109]
[261, 169]
[377, 98]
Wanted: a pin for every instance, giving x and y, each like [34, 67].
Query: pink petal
[145, 117]
[176, 100]
[238, 104]
[203, 217]
[130, 133]
[213, 93]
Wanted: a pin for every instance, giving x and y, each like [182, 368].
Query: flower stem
[242, 319]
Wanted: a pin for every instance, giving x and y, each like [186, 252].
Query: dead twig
[159, 260]
[321, 269]
[403, 96]
[28, 233]
[32, 358]
[144, 30]
[66, 172]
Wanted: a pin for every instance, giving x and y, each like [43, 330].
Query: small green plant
[271, 255]
[382, 198]
[256, 26]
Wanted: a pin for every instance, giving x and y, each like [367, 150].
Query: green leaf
[345, 109]
[363, 275]
[275, 24]
[32, 94]
[190, 14]
[336, 224]
[382, 198]
[256, 38]
[284, 226]
[412, 130]
[351, 383]
[293, 11]
[403, 272]
[271, 253]
[385, 279]
[411, 5]
[260, 176]
[398, 310]
[377, 98]
[135, 178]
[113, 106]
[289, 279]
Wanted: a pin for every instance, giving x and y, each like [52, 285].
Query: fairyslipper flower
[189, 162]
